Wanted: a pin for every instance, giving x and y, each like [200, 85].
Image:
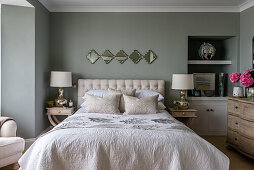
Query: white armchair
[11, 147]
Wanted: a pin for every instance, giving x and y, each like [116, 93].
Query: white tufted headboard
[85, 85]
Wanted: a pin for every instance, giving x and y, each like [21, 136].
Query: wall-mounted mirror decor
[93, 56]
[135, 56]
[107, 56]
[121, 56]
[150, 56]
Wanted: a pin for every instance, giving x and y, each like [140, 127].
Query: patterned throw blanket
[3, 120]
[141, 122]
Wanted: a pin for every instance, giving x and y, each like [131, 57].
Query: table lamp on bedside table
[60, 79]
[183, 82]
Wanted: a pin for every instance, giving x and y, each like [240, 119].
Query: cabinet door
[217, 117]
[200, 123]
[212, 117]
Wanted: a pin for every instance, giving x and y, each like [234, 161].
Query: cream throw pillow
[134, 105]
[121, 92]
[108, 104]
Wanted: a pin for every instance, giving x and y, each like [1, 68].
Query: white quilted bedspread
[122, 142]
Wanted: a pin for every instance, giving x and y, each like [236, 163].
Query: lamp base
[183, 104]
[60, 100]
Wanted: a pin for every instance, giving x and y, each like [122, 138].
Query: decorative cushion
[147, 93]
[134, 105]
[98, 93]
[108, 104]
[130, 92]
[161, 106]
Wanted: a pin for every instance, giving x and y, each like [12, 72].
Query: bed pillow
[108, 104]
[161, 106]
[147, 93]
[130, 92]
[146, 105]
[98, 93]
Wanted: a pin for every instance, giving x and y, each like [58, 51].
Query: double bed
[99, 141]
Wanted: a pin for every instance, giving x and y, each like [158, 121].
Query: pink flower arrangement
[235, 77]
[246, 79]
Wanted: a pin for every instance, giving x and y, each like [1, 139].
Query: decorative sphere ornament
[206, 51]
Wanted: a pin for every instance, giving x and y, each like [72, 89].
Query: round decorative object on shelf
[206, 51]
[238, 91]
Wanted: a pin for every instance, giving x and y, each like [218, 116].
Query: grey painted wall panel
[73, 35]
[247, 33]
[18, 67]
[42, 17]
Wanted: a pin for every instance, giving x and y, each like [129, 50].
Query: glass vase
[250, 93]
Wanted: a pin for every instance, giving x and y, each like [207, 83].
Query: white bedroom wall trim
[140, 9]
[246, 5]
[131, 8]
[16, 3]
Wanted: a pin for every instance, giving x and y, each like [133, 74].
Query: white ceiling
[147, 5]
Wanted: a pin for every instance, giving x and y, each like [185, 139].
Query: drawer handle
[207, 110]
[59, 111]
[211, 110]
[235, 138]
[183, 113]
[236, 123]
[236, 107]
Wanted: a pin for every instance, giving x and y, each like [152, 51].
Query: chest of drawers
[240, 129]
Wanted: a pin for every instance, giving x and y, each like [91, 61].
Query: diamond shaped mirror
[93, 56]
[107, 56]
[135, 56]
[150, 56]
[121, 56]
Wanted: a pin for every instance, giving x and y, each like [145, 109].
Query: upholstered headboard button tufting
[85, 85]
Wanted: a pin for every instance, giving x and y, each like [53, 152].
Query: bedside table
[186, 116]
[58, 111]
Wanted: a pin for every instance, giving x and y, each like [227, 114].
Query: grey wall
[42, 17]
[247, 33]
[73, 35]
[18, 67]
[28, 74]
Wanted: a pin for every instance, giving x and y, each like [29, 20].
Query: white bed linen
[122, 142]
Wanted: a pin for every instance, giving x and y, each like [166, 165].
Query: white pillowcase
[98, 93]
[161, 106]
[139, 94]
[148, 93]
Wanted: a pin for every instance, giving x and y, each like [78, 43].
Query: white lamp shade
[182, 81]
[60, 79]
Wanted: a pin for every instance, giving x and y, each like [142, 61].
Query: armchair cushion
[11, 149]
[11, 146]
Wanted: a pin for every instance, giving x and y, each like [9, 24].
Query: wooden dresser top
[243, 100]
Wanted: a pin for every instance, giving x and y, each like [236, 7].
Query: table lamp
[60, 79]
[183, 82]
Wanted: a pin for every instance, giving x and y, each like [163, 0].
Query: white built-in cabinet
[211, 115]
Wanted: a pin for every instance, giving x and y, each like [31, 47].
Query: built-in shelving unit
[222, 61]
[210, 62]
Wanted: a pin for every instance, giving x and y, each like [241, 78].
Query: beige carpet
[237, 160]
